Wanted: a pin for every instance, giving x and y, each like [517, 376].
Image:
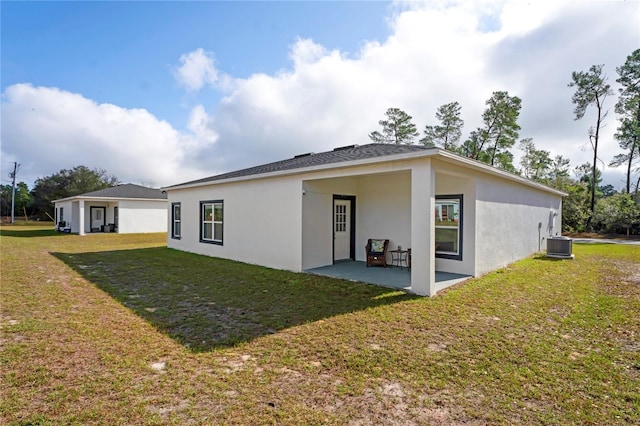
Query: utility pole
[13, 188]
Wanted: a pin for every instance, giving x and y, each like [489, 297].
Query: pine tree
[591, 89]
[447, 134]
[396, 129]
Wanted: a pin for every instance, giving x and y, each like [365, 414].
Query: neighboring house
[456, 214]
[124, 209]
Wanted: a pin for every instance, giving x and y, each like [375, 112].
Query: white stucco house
[124, 209]
[457, 215]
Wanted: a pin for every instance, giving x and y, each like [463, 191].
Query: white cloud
[436, 54]
[50, 129]
[199, 125]
[196, 70]
[306, 52]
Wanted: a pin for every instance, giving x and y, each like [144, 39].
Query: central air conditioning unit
[560, 247]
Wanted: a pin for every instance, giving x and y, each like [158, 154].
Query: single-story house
[124, 209]
[456, 214]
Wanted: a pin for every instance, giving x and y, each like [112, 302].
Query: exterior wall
[67, 212]
[134, 216]
[262, 221]
[140, 216]
[286, 222]
[87, 213]
[110, 212]
[453, 180]
[75, 215]
[317, 218]
[423, 270]
[383, 210]
[512, 222]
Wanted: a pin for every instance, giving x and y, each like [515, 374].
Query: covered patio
[391, 276]
[398, 202]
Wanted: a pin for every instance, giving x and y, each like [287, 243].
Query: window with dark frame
[448, 226]
[341, 218]
[176, 223]
[211, 221]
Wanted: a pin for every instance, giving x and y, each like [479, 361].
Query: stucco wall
[262, 221]
[139, 216]
[511, 222]
[110, 212]
[134, 216]
[383, 210]
[317, 218]
[451, 180]
[75, 215]
[67, 212]
[286, 222]
[87, 213]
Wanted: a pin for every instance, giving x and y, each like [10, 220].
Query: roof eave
[79, 197]
[310, 169]
[433, 152]
[475, 164]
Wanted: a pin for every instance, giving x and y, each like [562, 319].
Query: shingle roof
[338, 155]
[127, 190]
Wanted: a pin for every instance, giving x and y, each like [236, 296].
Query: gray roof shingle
[337, 155]
[127, 190]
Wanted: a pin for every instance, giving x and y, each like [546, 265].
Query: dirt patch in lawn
[630, 270]
[623, 279]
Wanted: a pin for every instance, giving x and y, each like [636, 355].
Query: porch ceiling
[359, 175]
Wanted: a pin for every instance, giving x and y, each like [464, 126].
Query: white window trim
[451, 254]
[175, 235]
[213, 222]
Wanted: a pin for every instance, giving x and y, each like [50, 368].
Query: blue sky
[163, 92]
[124, 52]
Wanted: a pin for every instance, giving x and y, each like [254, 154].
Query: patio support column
[81, 217]
[423, 268]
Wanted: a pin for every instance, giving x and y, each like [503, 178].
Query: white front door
[97, 218]
[341, 229]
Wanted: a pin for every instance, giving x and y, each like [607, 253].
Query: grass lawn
[118, 329]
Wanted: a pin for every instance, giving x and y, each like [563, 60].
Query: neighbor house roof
[356, 155]
[124, 191]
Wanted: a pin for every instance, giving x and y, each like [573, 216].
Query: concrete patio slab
[391, 276]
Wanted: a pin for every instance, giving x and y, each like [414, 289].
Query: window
[211, 220]
[175, 220]
[341, 218]
[61, 214]
[448, 220]
[115, 217]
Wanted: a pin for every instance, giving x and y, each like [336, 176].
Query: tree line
[38, 203]
[589, 206]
